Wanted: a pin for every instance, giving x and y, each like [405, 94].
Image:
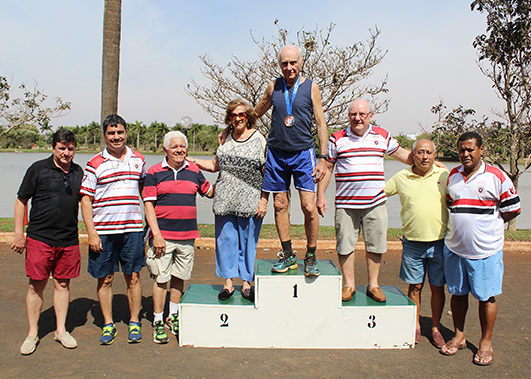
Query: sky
[58, 44]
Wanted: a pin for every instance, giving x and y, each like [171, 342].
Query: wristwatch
[323, 156]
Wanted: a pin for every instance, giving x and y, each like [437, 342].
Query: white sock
[174, 308]
[157, 316]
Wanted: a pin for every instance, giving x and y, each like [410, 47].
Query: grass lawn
[269, 231]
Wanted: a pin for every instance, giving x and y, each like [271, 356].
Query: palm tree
[112, 20]
[46, 128]
[158, 130]
[94, 129]
[134, 131]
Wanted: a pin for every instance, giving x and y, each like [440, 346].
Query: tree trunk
[112, 20]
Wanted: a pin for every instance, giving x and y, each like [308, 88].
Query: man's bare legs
[159, 293]
[282, 222]
[373, 269]
[346, 263]
[105, 296]
[437, 305]
[176, 289]
[437, 302]
[347, 268]
[309, 209]
[311, 217]
[34, 300]
[488, 311]
[414, 292]
[459, 307]
[159, 296]
[61, 300]
[134, 295]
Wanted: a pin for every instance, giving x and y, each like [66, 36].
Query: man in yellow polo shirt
[422, 191]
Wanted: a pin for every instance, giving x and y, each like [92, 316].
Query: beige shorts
[178, 260]
[373, 222]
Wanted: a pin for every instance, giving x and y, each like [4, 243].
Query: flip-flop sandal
[437, 340]
[452, 345]
[481, 355]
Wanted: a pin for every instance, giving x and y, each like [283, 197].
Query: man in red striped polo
[171, 213]
[111, 210]
[358, 152]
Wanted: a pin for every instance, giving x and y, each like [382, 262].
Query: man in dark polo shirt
[52, 245]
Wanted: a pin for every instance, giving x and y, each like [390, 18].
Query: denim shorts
[421, 258]
[125, 249]
[282, 165]
[481, 277]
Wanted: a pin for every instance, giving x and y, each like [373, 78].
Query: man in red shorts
[52, 245]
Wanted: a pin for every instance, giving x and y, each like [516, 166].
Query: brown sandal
[450, 345]
[481, 355]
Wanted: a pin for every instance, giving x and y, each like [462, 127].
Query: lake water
[14, 165]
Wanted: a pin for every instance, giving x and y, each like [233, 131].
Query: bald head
[290, 62]
[291, 50]
[424, 153]
[360, 116]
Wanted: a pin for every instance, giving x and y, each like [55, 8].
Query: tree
[46, 128]
[23, 137]
[207, 137]
[28, 110]
[157, 131]
[134, 131]
[339, 72]
[94, 129]
[112, 20]
[505, 58]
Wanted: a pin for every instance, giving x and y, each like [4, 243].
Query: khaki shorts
[178, 261]
[374, 222]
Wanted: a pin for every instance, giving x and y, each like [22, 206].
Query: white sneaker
[29, 345]
[66, 340]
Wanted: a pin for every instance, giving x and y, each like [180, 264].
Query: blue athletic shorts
[421, 258]
[125, 249]
[481, 277]
[282, 165]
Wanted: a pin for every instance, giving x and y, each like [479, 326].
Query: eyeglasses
[66, 178]
[363, 116]
[242, 115]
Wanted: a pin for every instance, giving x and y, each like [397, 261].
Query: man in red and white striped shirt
[481, 198]
[110, 206]
[358, 152]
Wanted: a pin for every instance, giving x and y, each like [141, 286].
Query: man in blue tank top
[295, 101]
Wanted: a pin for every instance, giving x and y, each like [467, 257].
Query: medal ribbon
[289, 105]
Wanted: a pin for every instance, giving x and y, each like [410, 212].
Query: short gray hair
[174, 134]
[299, 49]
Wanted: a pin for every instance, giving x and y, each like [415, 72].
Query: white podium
[293, 311]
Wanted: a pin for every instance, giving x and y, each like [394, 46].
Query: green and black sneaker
[285, 262]
[159, 333]
[310, 266]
